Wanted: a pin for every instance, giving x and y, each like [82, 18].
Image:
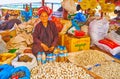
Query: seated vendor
[45, 35]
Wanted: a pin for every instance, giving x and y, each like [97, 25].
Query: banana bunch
[106, 7]
[88, 4]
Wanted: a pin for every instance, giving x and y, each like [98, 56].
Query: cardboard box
[76, 44]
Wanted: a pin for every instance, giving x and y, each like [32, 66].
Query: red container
[15, 77]
[79, 33]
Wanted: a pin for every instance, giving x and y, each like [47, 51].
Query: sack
[5, 72]
[113, 49]
[22, 69]
[3, 47]
[69, 5]
[98, 29]
[29, 65]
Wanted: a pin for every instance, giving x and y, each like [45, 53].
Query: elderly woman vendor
[45, 35]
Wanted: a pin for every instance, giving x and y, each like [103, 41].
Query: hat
[46, 9]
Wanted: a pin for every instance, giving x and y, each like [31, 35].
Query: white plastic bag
[98, 29]
[3, 47]
[114, 51]
[71, 30]
[29, 65]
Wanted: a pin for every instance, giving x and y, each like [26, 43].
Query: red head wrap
[46, 9]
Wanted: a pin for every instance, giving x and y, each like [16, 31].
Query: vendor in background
[7, 16]
[45, 35]
[8, 24]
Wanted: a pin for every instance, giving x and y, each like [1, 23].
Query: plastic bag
[98, 29]
[113, 51]
[75, 24]
[24, 69]
[3, 47]
[117, 56]
[80, 17]
[71, 30]
[5, 72]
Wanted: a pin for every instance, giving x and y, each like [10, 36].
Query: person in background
[7, 16]
[1, 20]
[8, 24]
[45, 35]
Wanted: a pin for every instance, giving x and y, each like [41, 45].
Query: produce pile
[25, 58]
[108, 70]
[58, 70]
[20, 41]
[6, 58]
[88, 57]
[23, 40]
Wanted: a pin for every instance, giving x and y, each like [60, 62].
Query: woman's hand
[45, 47]
[51, 49]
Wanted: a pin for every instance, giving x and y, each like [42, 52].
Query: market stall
[84, 43]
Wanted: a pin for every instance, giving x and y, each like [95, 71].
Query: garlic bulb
[59, 70]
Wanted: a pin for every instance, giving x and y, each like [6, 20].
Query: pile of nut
[87, 57]
[59, 70]
[108, 70]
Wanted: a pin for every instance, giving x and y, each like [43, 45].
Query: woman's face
[44, 17]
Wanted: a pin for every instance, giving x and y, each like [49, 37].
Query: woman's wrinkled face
[44, 17]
